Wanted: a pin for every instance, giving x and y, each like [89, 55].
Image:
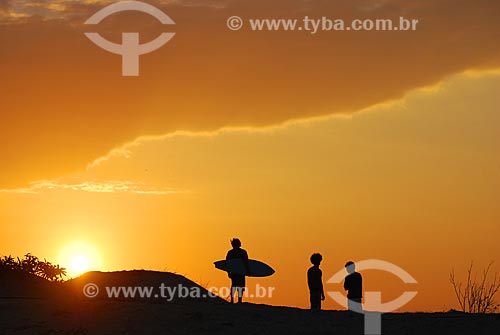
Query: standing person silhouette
[353, 284]
[315, 282]
[237, 280]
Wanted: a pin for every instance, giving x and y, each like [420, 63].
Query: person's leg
[240, 294]
[359, 306]
[239, 283]
[233, 289]
[354, 304]
[235, 284]
[315, 299]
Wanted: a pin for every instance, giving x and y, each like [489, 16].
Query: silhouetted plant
[478, 294]
[8, 262]
[31, 264]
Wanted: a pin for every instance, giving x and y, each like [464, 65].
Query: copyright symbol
[91, 290]
[234, 23]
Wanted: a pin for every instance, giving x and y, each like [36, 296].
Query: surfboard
[257, 268]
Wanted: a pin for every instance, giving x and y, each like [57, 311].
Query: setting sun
[79, 264]
[78, 258]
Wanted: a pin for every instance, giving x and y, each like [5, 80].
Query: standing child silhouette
[315, 282]
[353, 284]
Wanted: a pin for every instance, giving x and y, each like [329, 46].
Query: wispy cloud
[50, 6]
[92, 186]
[14, 11]
[117, 152]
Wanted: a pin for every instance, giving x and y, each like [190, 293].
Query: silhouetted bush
[31, 264]
[478, 293]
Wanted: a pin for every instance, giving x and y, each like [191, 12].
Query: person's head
[350, 267]
[236, 243]
[316, 259]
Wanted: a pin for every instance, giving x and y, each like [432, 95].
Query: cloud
[48, 6]
[118, 152]
[8, 15]
[75, 10]
[66, 103]
[5, 4]
[93, 186]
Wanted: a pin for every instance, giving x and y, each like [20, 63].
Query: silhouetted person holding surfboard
[237, 280]
[315, 282]
[353, 284]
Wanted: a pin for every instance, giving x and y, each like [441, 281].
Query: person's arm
[346, 283]
[245, 262]
[227, 258]
[321, 285]
[361, 285]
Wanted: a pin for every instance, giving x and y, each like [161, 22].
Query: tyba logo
[130, 49]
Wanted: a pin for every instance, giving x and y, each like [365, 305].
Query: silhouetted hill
[138, 285]
[19, 284]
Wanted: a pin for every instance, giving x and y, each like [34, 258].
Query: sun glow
[80, 264]
[78, 258]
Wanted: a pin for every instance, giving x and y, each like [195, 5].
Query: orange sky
[392, 152]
